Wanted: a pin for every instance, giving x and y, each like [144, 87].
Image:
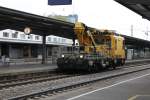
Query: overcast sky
[102, 14]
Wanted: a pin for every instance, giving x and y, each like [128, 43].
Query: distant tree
[69, 18]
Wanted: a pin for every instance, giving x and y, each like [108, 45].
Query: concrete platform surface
[136, 60]
[133, 89]
[14, 69]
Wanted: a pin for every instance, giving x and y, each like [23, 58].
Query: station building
[21, 48]
[17, 45]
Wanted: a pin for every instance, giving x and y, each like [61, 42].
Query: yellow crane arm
[84, 36]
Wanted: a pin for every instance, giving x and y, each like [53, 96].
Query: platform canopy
[142, 7]
[18, 20]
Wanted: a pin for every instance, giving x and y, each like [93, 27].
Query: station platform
[132, 89]
[136, 60]
[27, 68]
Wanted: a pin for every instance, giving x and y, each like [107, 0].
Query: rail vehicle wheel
[96, 67]
[89, 69]
[114, 63]
[111, 64]
[122, 61]
[60, 63]
[114, 67]
[96, 64]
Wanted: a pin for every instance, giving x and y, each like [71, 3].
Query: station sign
[59, 2]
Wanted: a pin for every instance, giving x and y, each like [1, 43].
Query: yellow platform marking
[136, 96]
[133, 97]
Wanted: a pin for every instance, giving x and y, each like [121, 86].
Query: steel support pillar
[73, 42]
[73, 45]
[44, 49]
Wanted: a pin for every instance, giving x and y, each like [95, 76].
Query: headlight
[62, 56]
[81, 56]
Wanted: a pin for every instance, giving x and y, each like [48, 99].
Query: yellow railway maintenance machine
[97, 49]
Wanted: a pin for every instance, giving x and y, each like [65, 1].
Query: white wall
[54, 40]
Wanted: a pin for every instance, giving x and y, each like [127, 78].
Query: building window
[58, 40]
[30, 37]
[22, 36]
[49, 39]
[63, 40]
[49, 51]
[5, 34]
[37, 37]
[15, 35]
[55, 40]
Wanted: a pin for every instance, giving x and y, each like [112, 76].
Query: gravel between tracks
[37, 87]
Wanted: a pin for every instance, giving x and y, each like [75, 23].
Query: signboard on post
[59, 2]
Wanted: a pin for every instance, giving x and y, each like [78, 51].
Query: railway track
[25, 76]
[19, 83]
[50, 77]
[82, 80]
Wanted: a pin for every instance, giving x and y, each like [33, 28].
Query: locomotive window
[108, 42]
[115, 43]
[99, 41]
[81, 48]
[123, 46]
